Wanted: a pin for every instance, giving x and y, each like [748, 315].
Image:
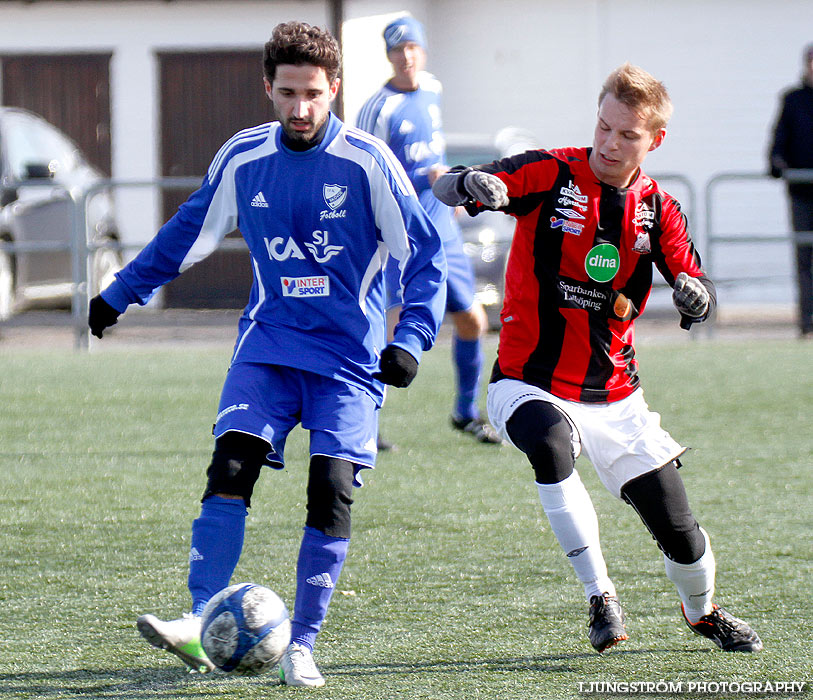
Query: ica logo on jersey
[280, 249]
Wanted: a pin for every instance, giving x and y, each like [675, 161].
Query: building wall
[537, 64]
[134, 32]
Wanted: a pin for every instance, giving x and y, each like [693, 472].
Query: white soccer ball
[245, 629]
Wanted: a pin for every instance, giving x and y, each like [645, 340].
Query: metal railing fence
[82, 249]
[716, 239]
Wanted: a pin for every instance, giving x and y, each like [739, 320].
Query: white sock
[573, 520]
[694, 582]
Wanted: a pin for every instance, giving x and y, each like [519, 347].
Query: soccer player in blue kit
[405, 113]
[320, 206]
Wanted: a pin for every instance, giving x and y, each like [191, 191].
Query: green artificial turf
[454, 587]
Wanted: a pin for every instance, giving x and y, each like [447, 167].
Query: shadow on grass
[550, 663]
[154, 683]
[133, 684]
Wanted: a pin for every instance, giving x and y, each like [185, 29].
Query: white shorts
[622, 439]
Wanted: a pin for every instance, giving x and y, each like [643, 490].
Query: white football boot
[297, 667]
[180, 637]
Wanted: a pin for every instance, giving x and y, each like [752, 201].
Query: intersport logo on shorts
[318, 286]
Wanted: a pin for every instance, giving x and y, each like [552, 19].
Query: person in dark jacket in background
[792, 148]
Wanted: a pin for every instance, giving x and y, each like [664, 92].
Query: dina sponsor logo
[602, 262]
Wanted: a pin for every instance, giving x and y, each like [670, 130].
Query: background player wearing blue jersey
[320, 206]
[405, 113]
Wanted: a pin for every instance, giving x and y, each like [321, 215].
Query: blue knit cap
[402, 30]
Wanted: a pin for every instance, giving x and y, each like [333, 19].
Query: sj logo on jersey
[306, 286]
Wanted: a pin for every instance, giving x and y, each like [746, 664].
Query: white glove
[486, 188]
[690, 296]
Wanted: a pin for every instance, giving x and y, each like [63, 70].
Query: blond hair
[641, 92]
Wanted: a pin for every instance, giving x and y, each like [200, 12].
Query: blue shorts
[268, 401]
[459, 283]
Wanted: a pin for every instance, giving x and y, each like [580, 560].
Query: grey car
[487, 236]
[41, 172]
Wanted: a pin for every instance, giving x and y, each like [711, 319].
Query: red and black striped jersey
[580, 272]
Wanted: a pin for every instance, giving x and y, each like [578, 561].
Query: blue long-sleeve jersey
[410, 123]
[318, 225]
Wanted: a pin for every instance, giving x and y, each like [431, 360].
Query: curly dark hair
[298, 43]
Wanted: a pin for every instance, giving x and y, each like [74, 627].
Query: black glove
[101, 315]
[398, 367]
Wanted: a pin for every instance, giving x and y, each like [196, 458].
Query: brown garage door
[205, 99]
[71, 91]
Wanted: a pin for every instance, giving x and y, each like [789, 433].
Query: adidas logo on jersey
[259, 201]
[195, 555]
[321, 580]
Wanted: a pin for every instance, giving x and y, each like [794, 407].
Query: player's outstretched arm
[101, 316]
[459, 187]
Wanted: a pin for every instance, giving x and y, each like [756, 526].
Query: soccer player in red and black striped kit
[590, 227]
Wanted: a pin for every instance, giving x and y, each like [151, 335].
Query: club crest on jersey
[301, 287]
[643, 221]
[602, 262]
[334, 196]
[642, 243]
